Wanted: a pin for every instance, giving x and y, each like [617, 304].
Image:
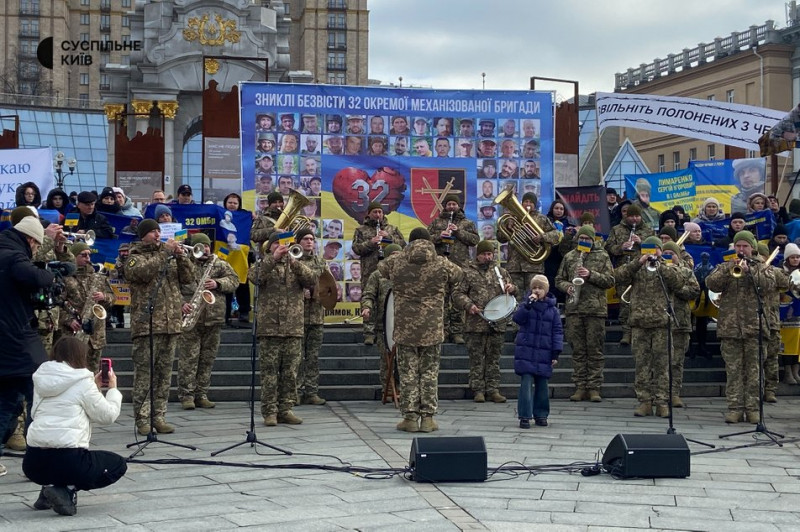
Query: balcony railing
[337, 65]
[105, 86]
[703, 53]
[337, 25]
[337, 46]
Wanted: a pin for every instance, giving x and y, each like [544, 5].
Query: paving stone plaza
[748, 489]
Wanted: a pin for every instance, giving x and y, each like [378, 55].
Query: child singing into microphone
[538, 345]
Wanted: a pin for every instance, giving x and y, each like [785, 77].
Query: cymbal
[327, 290]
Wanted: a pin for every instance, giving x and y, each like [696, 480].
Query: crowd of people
[443, 279]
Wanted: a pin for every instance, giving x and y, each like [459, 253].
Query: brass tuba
[519, 228]
[290, 219]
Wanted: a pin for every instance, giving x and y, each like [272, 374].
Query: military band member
[648, 321]
[738, 325]
[77, 289]
[420, 279]
[520, 268]
[586, 314]
[453, 234]
[790, 316]
[623, 246]
[373, 304]
[484, 339]
[367, 245]
[281, 281]
[264, 224]
[150, 263]
[688, 290]
[313, 319]
[199, 345]
[772, 307]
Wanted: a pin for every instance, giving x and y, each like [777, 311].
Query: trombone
[88, 237]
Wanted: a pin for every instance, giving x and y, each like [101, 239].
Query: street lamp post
[58, 165]
[483, 80]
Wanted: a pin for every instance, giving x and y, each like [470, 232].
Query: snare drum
[499, 308]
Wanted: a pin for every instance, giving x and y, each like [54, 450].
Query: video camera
[53, 295]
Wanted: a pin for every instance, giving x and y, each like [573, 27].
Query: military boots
[408, 424]
[580, 395]
[428, 424]
[645, 408]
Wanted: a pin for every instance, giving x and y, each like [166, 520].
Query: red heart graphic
[354, 190]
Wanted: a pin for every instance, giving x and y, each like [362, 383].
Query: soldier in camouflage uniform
[313, 319]
[150, 263]
[367, 245]
[198, 346]
[521, 269]
[586, 317]
[738, 326]
[264, 224]
[281, 281]
[648, 322]
[77, 292]
[373, 303]
[772, 349]
[454, 224]
[484, 339]
[688, 290]
[623, 247]
[420, 279]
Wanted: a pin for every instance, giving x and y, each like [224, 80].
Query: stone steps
[349, 369]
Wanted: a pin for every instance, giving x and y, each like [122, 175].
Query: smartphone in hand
[105, 368]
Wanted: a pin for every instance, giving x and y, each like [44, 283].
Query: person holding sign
[584, 275]
[648, 322]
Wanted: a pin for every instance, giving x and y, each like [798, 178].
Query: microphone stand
[152, 436]
[670, 348]
[251, 437]
[761, 426]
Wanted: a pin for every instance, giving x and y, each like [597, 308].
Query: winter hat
[274, 237]
[780, 229]
[78, 247]
[302, 233]
[200, 238]
[587, 230]
[790, 250]
[691, 226]
[654, 241]
[118, 190]
[673, 247]
[670, 232]
[420, 233]
[540, 280]
[669, 215]
[32, 227]
[375, 205]
[530, 196]
[485, 246]
[734, 216]
[391, 248]
[21, 212]
[763, 249]
[634, 210]
[747, 236]
[273, 197]
[587, 218]
[758, 195]
[107, 192]
[707, 201]
[145, 226]
[162, 209]
[451, 197]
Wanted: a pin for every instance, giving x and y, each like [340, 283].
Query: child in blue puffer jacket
[538, 345]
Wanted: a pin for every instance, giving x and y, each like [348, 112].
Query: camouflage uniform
[368, 252]
[688, 290]
[521, 269]
[737, 329]
[619, 235]
[586, 318]
[374, 298]
[465, 237]
[49, 319]
[264, 226]
[77, 292]
[198, 346]
[420, 279]
[648, 321]
[143, 272]
[484, 340]
[280, 328]
[772, 351]
[313, 319]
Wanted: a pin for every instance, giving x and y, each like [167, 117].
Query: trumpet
[295, 251]
[737, 271]
[88, 237]
[652, 264]
[197, 251]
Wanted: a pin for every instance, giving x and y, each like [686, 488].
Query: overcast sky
[448, 43]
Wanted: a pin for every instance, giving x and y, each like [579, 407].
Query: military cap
[485, 246]
[145, 226]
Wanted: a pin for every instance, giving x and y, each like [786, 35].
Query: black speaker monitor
[647, 456]
[448, 459]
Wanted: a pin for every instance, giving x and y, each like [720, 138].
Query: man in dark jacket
[21, 350]
[91, 220]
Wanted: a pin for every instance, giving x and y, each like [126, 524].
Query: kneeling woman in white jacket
[66, 401]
